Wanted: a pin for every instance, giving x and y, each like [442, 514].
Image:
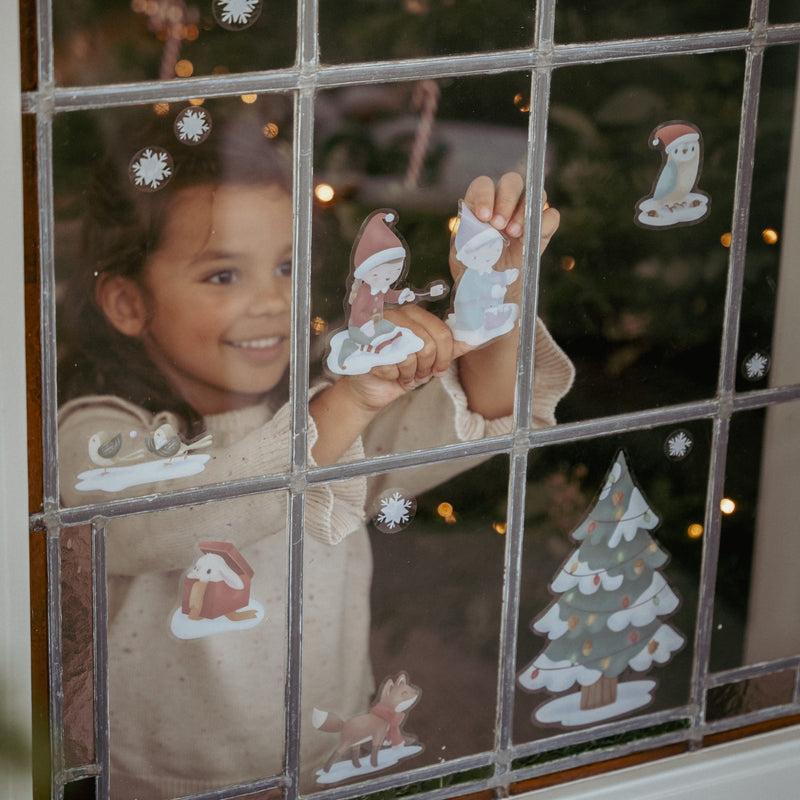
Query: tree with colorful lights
[607, 616]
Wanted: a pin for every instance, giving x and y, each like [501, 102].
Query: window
[675, 312]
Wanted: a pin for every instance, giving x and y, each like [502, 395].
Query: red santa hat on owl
[674, 132]
[378, 243]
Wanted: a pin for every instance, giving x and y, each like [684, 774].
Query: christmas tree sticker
[607, 616]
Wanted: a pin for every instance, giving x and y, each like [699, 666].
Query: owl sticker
[675, 199]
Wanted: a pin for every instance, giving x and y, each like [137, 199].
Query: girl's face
[218, 295]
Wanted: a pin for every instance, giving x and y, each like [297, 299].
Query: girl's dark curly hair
[122, 227]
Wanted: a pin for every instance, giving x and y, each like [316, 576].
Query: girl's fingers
[550, 222]
[437, 350]
[480, 198]
[507, 203]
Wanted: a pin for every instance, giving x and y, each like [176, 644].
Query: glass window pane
[173, 263]
[611, 565]
[756, 585]
[638, 307]
[369, 31]
[435, 611]
[77, 644]
[372, 163]
[579, 21]
[99, 42]
[751, 695]
[197, 646]
[768, 335]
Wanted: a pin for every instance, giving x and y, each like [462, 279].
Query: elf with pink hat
[379, 260]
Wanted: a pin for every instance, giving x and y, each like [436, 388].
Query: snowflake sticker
[193, 125]
[151, 168]
[236, 15]
[395, 510]
[678, 445]
[755, 366]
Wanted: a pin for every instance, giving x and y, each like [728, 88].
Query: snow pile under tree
[607, 615]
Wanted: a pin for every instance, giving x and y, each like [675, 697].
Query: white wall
[14, 620]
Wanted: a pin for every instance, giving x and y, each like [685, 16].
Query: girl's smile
[217, 295]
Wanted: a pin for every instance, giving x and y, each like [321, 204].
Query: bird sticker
[166, 443]
[121, 463]
[105, 450]
[674, 199]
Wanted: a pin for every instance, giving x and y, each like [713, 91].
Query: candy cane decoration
[425, 97]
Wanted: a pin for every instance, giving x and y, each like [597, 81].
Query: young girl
[181, 317]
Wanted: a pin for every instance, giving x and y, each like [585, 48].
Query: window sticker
[216, 594]
[607, 616]
[123, 463]
[479, 311]
[151, 169]
[380, 731]
[755, 365]
[236, 15]
[394, 510]
[193, 125]
[674, 198]
[678, 445]
[379, 261]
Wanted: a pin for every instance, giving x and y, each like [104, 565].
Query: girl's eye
[284, 270]
[222, 276]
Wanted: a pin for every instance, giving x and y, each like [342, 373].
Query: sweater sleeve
[438, 414]
[165, 540]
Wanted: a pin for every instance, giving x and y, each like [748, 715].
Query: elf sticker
[379, 261]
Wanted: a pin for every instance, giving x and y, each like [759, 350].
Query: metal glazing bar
[44, 148]
[753, 671]
[750, 718]
[708, 572]
[307, 35]
[618, 750]
[569, 432]
[301, 292]
[94, 97]
[511, 587]
[44, 18]
[430, 773]
[740, 221]
[598, 732]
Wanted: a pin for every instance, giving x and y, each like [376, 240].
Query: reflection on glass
[610, 571]
[109, 41]
[579, 21]
[768, 332]
[366, 31]
[77, 644]
[174, 270]
[196, 643]
[638, 309]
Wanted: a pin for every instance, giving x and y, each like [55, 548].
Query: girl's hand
[503, 207]
[381, 385]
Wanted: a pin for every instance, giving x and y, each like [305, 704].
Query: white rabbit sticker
[216, 594]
